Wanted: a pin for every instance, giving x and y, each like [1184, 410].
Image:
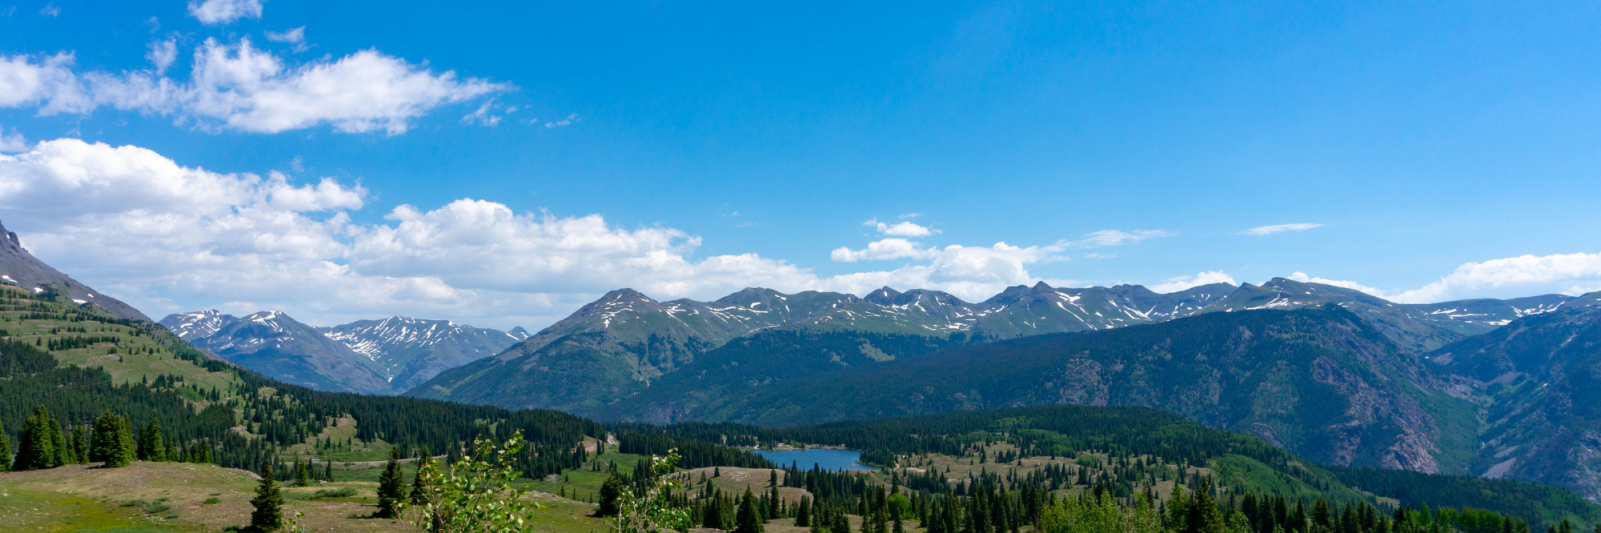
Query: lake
[825, 459]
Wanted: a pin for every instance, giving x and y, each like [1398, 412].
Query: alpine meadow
[799, 267]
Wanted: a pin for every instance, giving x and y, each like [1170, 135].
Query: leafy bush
[156, 508]
[211, 500]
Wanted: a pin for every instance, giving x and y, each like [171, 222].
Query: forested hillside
[1021, 453]
[1319, 382]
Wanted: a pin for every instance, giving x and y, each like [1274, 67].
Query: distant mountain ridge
[616, 346]
[369, 356]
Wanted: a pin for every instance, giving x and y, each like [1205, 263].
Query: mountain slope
[621, 343]
[1541, 380]
[402, 352]
[411, 350]
[20, 268]
[1319, 382]
[273, 344]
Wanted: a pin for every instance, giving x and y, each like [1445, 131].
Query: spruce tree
[610, 492]
[803, 516]
[5, 450]
[419, 493]
[391, 487]
[112, 443]
[150, 446]
[302, 474]
[268, 503]
[34, 449]
[62, 447]
[748, 520]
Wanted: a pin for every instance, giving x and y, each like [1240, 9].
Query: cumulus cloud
[167, 238]
[12, 142]
[1303, 278]
[162, 54]
[47, 82]
[1531, 274]
[236, 86]
[901, 229]
[1189, 282]
[892, 248]
[1279, 228]
[224, 11]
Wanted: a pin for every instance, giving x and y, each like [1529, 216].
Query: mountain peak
[883, 296]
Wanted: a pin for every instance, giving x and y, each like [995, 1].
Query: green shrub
[156, 508]
[212, 500]
[335, 493]
[134, 503]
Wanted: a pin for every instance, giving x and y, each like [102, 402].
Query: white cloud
[901, 229]
[484, 115]
[892, 248]
[571, 118]
[1303, 278]
[239, 87]
[13, 142]
[162, 54]
[292, 36]
[168, 238]
[1188, 282]
[1279, 228]
[1109, 237]
[296, 37]
[48, 83]
[1530, 274]
[224, 11]
[50, 10]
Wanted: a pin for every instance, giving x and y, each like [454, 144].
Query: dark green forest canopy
[1065, 430]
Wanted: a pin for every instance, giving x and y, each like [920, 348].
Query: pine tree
[302, 474]
[748, 521]
[150, 445]
[268, 503]
[610, 492]
[112, 443]
[391, 488]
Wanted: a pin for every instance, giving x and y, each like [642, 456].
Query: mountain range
[617, 346]
[385, 356]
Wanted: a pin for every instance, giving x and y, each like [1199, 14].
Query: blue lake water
[825, 459]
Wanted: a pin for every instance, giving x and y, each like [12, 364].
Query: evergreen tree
[419, 493]
[62, 446]
[803, 516]
[150, 446]
[610, 492]
[748, 520]
[113, 441]
[35, 450]
[302, 473]
[391, 487]
[5, 451]
[268, 503]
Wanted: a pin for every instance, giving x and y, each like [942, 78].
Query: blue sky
[1426, 151]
